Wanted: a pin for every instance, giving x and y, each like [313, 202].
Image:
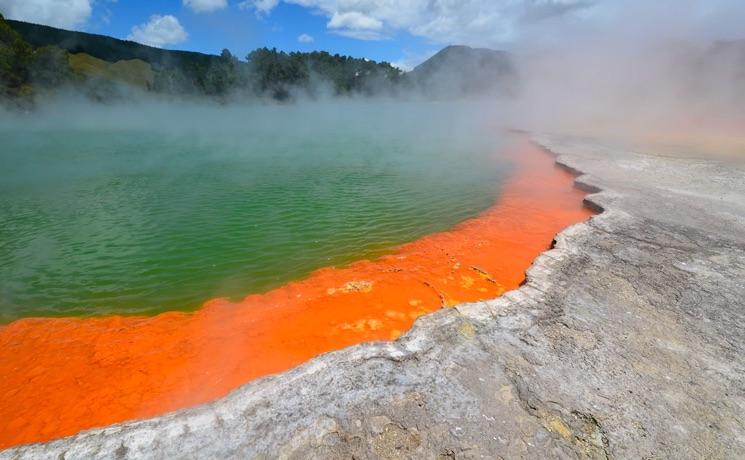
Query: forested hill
[106, 48]
[37, 58]
[461, 70]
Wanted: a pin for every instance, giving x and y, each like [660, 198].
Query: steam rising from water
[119, 173]
[151, 207]
[668, 71]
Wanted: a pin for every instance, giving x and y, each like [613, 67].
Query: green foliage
[225, 75]
[63, 57]
[108, 48]
[133, 72]
[276, 72]
[50, 67]
[15, 57]
[23, 68]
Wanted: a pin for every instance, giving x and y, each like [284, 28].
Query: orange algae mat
[60, 376]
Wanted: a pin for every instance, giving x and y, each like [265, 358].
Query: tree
[275, 72]
[15, 57]
[50, 67]
[266, 72]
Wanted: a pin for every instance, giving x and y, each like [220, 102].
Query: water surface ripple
[123, 214]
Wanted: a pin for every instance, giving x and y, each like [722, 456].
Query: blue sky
[244, 29]
[404, 32]
[239, 27]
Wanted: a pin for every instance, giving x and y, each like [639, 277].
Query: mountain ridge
[102, 66]
[461, 70]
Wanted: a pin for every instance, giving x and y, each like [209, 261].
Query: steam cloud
[669, 71]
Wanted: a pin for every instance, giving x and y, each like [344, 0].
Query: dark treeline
[278, 74]
[21, 65]
[35, 59]
[275, 72]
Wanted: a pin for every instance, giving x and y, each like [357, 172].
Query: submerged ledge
[66, 375]
[625, 341]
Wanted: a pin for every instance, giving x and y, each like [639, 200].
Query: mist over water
[146, 208]
[670, 72]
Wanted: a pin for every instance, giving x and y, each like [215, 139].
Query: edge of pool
[624, 341]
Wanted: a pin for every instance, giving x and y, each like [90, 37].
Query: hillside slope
[265, 72]
[107, 48]
[455, 71]
[134, 72]
[461, 70]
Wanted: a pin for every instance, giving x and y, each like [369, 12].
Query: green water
[147, 209]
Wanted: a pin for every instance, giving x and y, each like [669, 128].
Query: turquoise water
[142, 210]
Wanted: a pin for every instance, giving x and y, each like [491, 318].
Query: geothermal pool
[108, 213]
[408, 210]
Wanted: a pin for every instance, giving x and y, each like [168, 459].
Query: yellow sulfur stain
[466, 281]
[467, 330]
[363, 325]
[358, 286]
[395, 315]
[555, 424]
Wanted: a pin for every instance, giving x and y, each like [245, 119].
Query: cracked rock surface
[627, 341]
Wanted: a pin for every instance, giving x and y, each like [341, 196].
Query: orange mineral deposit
[61, 376]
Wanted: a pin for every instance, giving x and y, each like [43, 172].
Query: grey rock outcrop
[627, 341]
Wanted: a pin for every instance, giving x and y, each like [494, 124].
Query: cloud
[159, 31]
[357, 25]
[354, 20]
[205, 6]
[539, 10]
[360, 34]
[262, 7]
[66, 14]
[411, 60]
[504, 23]
[471, 22]
[305, 38]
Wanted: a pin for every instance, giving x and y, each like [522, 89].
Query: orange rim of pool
[64, 375]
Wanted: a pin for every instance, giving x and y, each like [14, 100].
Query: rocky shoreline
[626, 341]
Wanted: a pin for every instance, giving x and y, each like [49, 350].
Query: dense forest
[36, 60]
[22, 66]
